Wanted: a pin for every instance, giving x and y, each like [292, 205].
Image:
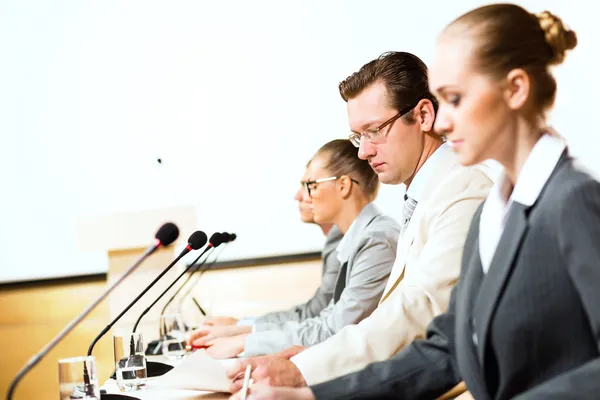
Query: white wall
[233, 96]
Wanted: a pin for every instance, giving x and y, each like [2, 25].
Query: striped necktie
[409, 207]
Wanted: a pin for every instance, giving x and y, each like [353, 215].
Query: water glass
[172, 336]
[78, 378]
[130, 361]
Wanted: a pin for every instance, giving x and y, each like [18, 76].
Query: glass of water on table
[78, 378]
[173, 336]
[130, 361]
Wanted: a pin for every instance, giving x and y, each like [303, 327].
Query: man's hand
[269, 370]
[227, 347]
[290, 352]
[264, 392]
[219, 321]
[201, 337]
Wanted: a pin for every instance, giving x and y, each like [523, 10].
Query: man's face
[395, 157]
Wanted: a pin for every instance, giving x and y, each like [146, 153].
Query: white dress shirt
[533, 176]
[423, 175]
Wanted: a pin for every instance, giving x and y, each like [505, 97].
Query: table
[151, 392]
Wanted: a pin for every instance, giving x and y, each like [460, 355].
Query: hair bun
[558, 36]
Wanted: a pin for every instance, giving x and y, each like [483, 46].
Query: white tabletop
[156, 393]
[152, 392]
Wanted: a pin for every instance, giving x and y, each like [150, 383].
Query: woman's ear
[518, 88]
[345, 185]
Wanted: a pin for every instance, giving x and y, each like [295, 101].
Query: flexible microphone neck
[192, 269]
[135, 326]
[107, 328]
[39, 356]
[208, 267]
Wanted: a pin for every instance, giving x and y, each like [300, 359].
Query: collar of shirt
[422, 177]
[533, 177]
[356, 231]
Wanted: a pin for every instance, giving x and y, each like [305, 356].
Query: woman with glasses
[341, 188]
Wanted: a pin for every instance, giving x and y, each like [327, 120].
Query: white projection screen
[233, 97]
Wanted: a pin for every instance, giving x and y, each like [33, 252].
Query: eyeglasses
[375, 135]
[312, 185]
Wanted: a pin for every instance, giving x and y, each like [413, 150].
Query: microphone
[195, 241]
[152, 349]
[216, 240]
[231, 237]
[223, 238]
[166, 235]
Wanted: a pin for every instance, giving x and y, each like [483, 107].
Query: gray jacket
[367, 254]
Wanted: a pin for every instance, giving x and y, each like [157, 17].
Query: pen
[246, 383]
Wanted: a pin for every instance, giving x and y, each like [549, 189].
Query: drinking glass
[130, 361]
[172, 336]
[78, 378]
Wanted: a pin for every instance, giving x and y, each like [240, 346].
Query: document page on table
[197, 372]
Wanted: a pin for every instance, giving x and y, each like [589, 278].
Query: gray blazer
[367, 254]
[324, 293]
[529, 328]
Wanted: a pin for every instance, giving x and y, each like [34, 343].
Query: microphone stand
[39, 356]
[193, 285]
[158, 370]
[188, 248]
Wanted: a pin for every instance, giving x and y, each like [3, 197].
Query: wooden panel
[32, 316]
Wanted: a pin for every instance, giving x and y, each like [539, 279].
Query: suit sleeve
[404, 315]
[424, 370]
[579, 241]
[369, 273]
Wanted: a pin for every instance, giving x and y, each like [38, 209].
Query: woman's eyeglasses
[312, 185]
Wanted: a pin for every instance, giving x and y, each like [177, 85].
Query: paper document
[197, 372]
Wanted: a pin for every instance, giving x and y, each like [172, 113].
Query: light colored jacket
[426, 269]
[367, 254]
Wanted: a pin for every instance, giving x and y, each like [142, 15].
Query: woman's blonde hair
[508, 36]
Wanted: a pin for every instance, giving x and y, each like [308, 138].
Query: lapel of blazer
[470, 282]
[436, 180]
[340, 284]
[351, 245]
[397, 273]
[496, 277]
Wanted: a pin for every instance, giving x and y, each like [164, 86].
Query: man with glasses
[391, 114]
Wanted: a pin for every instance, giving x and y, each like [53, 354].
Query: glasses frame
[374, 135]
[307, 184]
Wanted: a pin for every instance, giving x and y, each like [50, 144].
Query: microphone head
[233, 237]
[216, 239]
[167, 234]
[226, 237]
[197, 240]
